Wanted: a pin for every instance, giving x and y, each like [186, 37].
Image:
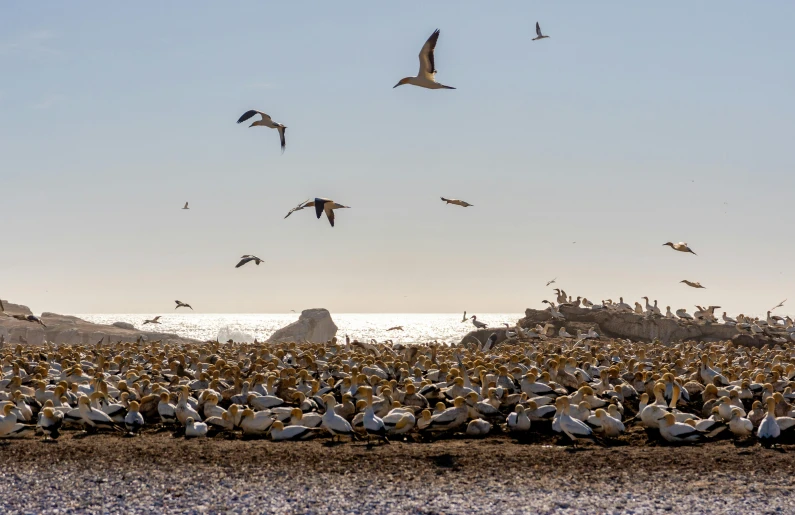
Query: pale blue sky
[630, 126]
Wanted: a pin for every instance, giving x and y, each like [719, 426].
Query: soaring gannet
[324, 205]
[182, 305]
[186, 206]
[456, 202]
[692, 284]
[426, 77]
[152, 321]
[538, 32]
[246, 258]
[476, 323]
[681, 247]
[266, 121]
[779, 305]
[552, 281]
[396, 328]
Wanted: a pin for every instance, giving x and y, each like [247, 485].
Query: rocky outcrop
[314, 325]
[64, 329]
[15, 309]
[620, 325]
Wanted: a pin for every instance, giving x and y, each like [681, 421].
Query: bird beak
[398, 84]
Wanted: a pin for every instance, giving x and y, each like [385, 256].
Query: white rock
[314, 325]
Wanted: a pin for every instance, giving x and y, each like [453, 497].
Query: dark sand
[157, 473]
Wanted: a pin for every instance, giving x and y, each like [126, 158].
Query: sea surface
[417, 327]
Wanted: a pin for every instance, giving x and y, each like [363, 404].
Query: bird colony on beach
[532, 389]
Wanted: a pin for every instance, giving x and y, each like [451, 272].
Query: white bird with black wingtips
[426, 77]
[246, 258]
[539, 35]
[265, 121]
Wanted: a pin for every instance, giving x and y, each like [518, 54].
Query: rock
[69, 330]
[314, 325]
[16, 309]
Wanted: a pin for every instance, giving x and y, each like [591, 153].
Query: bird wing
[302, 205]
[538, 31]
[186, 205]
[251, 112]
[156, 318]
[243, 261]
[427, 66]
[2, 308]
[329, 209]
[282, 130]
[319, 206]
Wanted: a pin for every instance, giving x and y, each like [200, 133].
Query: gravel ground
[156, 473]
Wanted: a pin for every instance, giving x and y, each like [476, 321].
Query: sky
[634, 124]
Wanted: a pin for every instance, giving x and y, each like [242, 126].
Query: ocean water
[418, 327]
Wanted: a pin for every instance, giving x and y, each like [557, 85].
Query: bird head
[402, 81]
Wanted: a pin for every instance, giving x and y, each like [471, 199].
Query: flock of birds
[533, 389]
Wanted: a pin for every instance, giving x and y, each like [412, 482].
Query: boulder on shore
[314, 325]
[69, 330]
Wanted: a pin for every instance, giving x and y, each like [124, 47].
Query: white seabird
[182, 305]
[266, 121]
[186, 206]
[152, 321]
[426, 77]
[692, 284]
[476, 323]
[681, 247]
[246, 258]
[539, 35]
[457, 202]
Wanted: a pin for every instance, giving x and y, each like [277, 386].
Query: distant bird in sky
[476, 323]
[465, 317]
[306, 203]
[692, 284]
[779, 305]
[324, 205]
[182, 305]
[538, 31]
[186, 206]
[246, 258]
[292, 310]
[681, 247]
[266, 121]
[456, 202]
[426, 77]
[396, 328]
[552, 281]
[153, 321]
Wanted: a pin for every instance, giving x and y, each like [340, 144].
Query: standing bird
[133, 420]
[266, 121]
[246, 258]
[692, 284]
[182, 305]
[426, 77]
[152, 321]
[186, 206]
[538, 32]
[479, 325]
[456, 202]
[324, 205]
[681, 247]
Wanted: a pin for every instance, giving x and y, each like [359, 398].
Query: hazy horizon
[634, 124]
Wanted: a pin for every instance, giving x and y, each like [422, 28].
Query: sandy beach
[157, 473]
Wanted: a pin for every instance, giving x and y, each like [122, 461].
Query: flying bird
[153, 321]
[465, 317]
[266, 121]
[324, 205]
[182, 305]
[302, 205]
[681, 247]
[248, 257]
[552, 281]
[692, 284]
[426, 77]
[538, 31]
[780, 305]
[396, 328]
[186, 206]
[456, 202]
